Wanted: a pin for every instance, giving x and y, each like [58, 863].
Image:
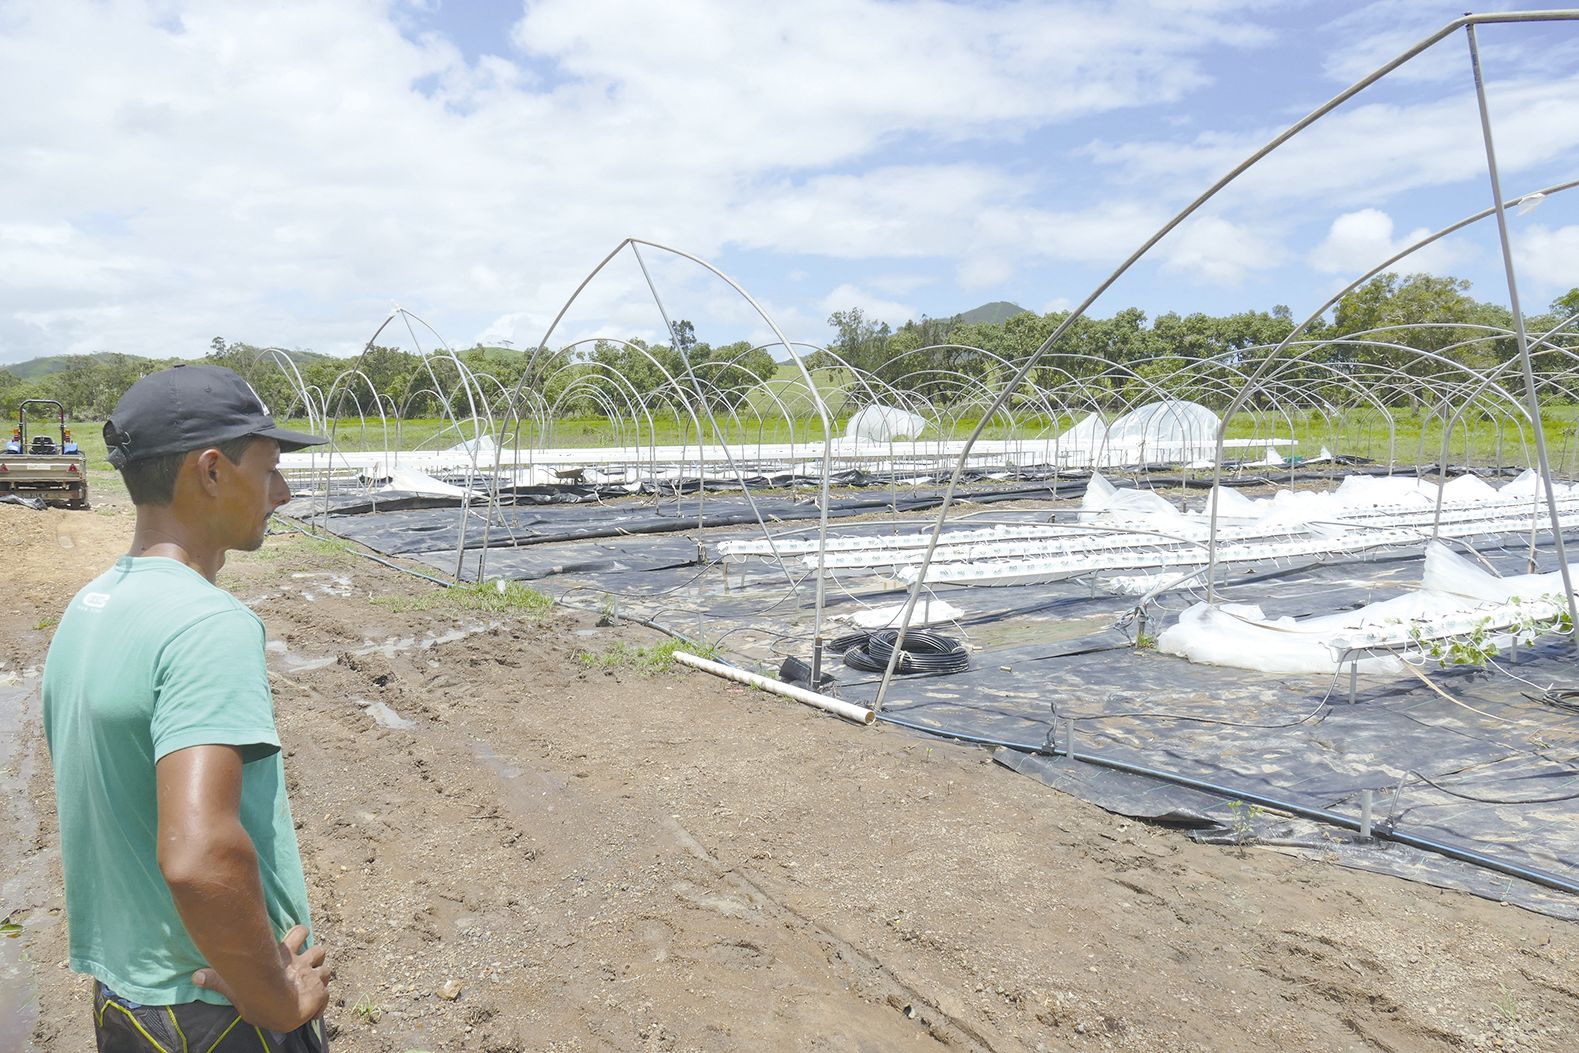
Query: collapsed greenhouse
[1298, 592]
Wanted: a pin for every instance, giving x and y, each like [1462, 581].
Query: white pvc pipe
[838, 707]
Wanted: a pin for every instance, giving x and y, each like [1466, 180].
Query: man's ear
[206, 467]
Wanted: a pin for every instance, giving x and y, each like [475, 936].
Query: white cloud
[1212, 250]
[280, 172]
[830, 78]
[1378, 31]
[983, 271]
[874, 307]
[889, 211]
[1359, 241]
[898, 284]
[1372, 151]
[1548, 258]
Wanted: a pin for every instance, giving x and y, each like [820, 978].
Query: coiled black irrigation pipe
[1048, 749]
[924, 651]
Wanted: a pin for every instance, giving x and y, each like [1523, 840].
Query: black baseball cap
[187, 408]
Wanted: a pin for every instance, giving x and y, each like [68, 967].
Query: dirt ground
[510, 850]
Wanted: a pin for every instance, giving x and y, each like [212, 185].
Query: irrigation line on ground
[1320, 815]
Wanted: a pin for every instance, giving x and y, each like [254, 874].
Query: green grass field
[1362, 433]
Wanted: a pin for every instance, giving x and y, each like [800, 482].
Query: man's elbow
[204, 863]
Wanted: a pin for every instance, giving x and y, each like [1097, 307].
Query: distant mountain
[991, 313]
[35, 368]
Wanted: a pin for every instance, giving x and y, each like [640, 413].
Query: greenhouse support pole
[1532, 397]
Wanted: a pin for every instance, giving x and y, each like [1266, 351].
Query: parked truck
[44, 463]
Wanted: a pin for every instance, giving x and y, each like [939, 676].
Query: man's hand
[306, 978]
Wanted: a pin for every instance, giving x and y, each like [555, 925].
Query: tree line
[610, 375]
[939, 359]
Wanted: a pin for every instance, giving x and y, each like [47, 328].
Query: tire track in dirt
[864, 972]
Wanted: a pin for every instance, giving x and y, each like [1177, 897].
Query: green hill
[992, 313]
[36, 368]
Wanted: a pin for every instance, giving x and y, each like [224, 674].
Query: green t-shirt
[151, 658]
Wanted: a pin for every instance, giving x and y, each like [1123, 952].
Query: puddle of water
[12, 677]
[500, 767]
[384, 716]
[323, 583]
[526, 798]
[22, 887]
[396, 644]
[292, 662]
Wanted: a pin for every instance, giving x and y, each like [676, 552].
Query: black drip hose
[1320, 815]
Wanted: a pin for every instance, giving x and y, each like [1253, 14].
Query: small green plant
[1476, 648]
[1507, 1006]
[1145, 641]
[488, 597]
[46, 623]
[9, 928]
[646, 660]
[367, 1010]
[1243, 822]
[616, 657]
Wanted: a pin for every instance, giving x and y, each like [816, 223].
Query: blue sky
[285, 173]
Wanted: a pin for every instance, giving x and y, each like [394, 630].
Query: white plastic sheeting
[1104, 499]
[411, 481]
[1173, 421]
[1133, 540]
[884, 424]
[1455, 596]
[927, 612]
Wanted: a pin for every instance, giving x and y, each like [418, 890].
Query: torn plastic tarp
[1242, 637]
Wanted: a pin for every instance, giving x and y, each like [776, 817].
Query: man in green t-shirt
[184, 888]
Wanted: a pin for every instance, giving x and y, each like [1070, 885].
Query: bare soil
[556, 857]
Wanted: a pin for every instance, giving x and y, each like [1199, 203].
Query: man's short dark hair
[152, 481]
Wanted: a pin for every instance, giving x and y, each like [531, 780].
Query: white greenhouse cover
[1170, 426]
[1242, 637]
[884, 424]
[483, 445]
[1174, 421]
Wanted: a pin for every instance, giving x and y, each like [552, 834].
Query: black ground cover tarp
[1045, 653]
[980, 483]
[418, 530]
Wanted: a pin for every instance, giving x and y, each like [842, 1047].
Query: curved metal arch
[669, 380]
[822, 409]
[1468, 21]
[349, 377]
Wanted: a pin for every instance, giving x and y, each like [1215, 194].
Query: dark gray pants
[191, 1027]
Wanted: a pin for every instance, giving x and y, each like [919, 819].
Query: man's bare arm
[211, 866]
